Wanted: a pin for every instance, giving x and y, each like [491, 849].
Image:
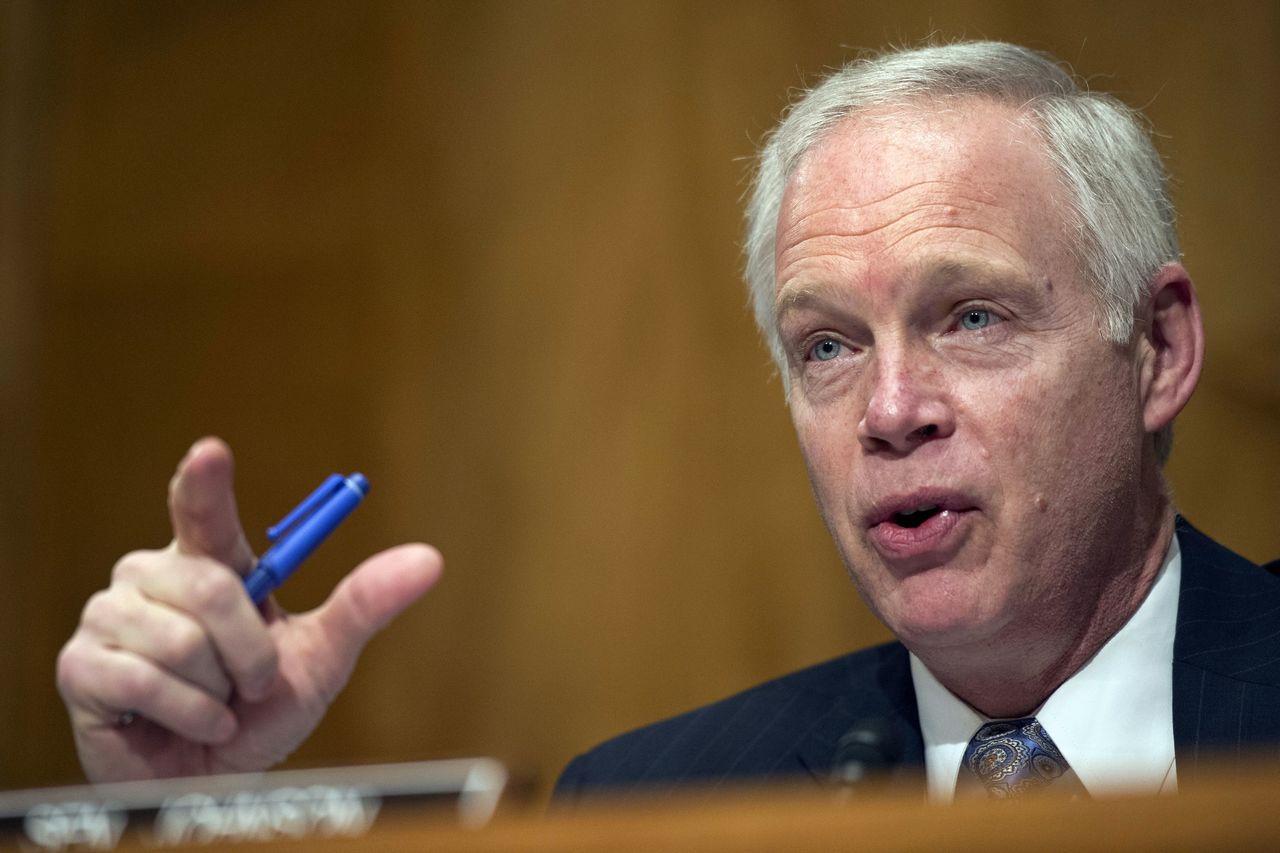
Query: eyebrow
[930, 273]
[952, 269]
[799, 296]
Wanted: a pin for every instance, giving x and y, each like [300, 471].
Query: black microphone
[865, 753]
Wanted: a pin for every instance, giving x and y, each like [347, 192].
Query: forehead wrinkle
[969, 226]
[856, 232]
[943, 184]
[957, 227]
[836, 210]
[947, 194]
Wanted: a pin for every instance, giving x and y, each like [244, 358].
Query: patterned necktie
[1014, 757]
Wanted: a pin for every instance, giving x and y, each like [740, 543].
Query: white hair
[1115, 184]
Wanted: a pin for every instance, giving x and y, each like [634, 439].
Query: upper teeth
[926, 507]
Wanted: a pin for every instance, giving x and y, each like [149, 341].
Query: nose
[908, 405]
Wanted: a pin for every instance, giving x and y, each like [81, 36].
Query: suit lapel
[880, 690]
[1226, 660]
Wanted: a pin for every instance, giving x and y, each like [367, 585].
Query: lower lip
[934, 541]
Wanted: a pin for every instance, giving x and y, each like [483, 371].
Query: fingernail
[225, 728]
[260, 688]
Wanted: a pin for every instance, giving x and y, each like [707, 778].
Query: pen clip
[310, 505]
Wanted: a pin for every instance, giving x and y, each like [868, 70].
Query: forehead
[873, 154]
[956, 178]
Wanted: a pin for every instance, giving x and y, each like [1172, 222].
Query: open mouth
[924, 527]
[915, 517]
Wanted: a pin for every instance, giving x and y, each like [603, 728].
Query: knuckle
[185, 643]
[214, 590]
[131, 565]
[70, 671]
[101, 610]
[134, 682]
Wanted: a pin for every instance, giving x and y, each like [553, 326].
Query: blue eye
[826, 349]
[976, 319]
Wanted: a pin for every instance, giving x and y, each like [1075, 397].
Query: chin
[936, 630]
[939, 615]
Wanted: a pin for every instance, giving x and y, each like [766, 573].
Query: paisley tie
[1015, 757]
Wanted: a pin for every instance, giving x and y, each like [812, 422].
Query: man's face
[975, 445]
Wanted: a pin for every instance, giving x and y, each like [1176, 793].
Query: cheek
[1013, 419]
[824, 457]
[824, 435]
[1063, 432]
[827, 443]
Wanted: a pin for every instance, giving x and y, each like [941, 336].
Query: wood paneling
[486, 253]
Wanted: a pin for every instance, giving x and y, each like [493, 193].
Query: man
[967, 272]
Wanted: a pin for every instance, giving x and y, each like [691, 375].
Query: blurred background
[487, 253]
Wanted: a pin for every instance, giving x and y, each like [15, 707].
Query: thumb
[202, 506]
[375, 593]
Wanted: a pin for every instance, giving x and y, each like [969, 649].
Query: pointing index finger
[202, 506]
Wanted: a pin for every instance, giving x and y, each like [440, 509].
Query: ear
[1171, 347]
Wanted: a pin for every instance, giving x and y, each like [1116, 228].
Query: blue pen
[302, 530]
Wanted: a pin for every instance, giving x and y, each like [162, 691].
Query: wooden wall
[486, 253]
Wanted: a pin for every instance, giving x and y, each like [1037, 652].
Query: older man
[967, 271]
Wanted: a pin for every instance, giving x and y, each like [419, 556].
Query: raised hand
[173, 671]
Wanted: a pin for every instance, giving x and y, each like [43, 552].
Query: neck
[1013, 674]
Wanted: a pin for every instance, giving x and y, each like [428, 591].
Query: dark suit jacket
[1226, 695]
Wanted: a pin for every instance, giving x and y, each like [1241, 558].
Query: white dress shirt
[1112, 720]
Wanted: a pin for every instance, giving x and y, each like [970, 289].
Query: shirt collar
[1112, 720]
